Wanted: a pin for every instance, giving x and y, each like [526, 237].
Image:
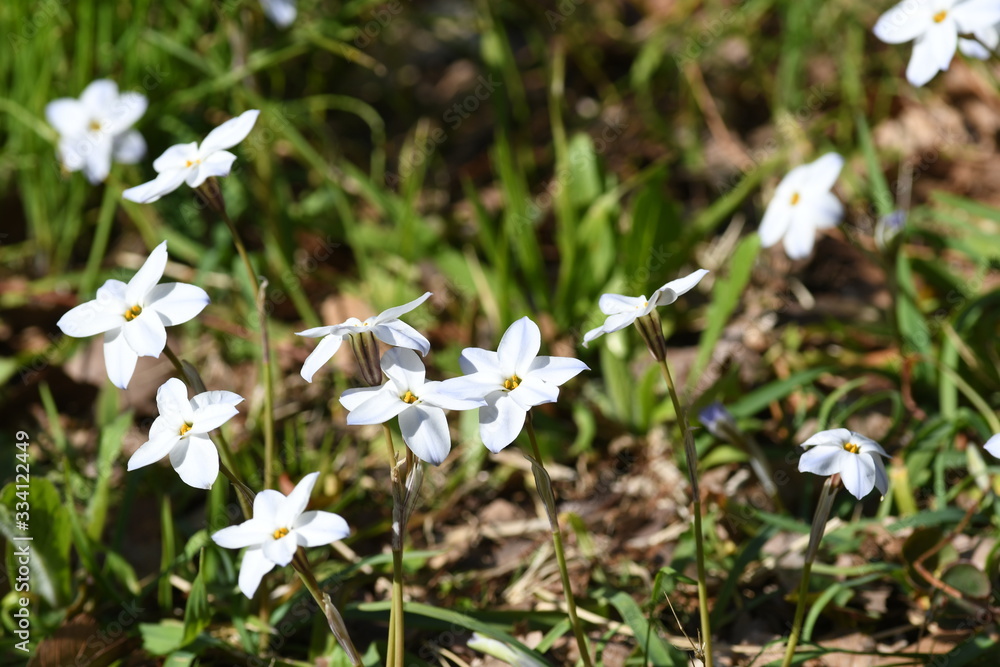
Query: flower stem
[545, 492]
[395, 651]
[699, 541]
[815, 535]
[333, 617]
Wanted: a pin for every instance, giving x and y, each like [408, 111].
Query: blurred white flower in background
[281, 12]
[803, 203]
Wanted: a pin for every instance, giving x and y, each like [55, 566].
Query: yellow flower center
[795, 198]
[191, 163]
[408, 397]
[940, 16]
[132, 313]
[95, 126]
[185, 428]
[852, 448]
[278, 534]
[511, 383]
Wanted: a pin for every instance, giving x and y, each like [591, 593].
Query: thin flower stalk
[544, 485]
[395, 651]
[815, 535]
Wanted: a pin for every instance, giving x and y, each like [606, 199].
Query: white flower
[802, 204]
[986, 41]
[193, 163]
[385, 326]
[279, 526]
[419, 404]
[182, 429]
[624, 310]
[854, 456]
[934, 27]
[993, 445]
[281, 12]
[97, 128]
[511, 380]
[132, 316]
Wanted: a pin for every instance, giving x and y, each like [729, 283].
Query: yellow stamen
[511, 383]
[132, 313]
[408, 397]
[940, 16]
[185, 428]
[852, 448]
[278, 534]
[795, 198]
[95, 126]
[190, 163]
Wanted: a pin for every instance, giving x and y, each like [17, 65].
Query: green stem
[699, 541]
[395, 651]
[548, 498]
[815, 535]
[333, 617]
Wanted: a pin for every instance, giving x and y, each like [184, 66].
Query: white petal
[401, 334]
[824, 172]
[837, 437]
[97, 157]
[172, 400]
[70, 159]
[425, 432]
[827, 210]
[473, 387]
[858, 474]
[153, 450]
[281, 551]
[212, 416]
[993, 445]
[867, 445]
[196, 461]
[119, 358]
[380, 408]
[922, 66]
[394, 313]
[90, 319]
[904, 22]
[800, 237]
[327, 347]
[975, 15]
[230, 133]
[68, 116]
[281, 12]
[164, 184]
[145, 334]
[248, 533]
[352, 398]
[519, 347]
[129, 147]
[266, 507]
[534, 391]
[612, 324]
[943, 38]
[556, 370]
[314, 529]
[500, 421]
[404, 368]
[675, 288]
[881, 478]
[147, 276]
[253, 568]
[216, 164]
[126, 110]
[774, 225]
[451, 395]
[476, 360]
[318, 332]
[215, 398]
[178, 157]
[824, 461]
[613, 304]
[973, 49]
[297, 501]
[100, 96]
[176, 303]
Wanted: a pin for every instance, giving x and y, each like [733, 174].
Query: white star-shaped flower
[385, 326]
[419, 404]
[133, 316]
[802, 204]
[181, 431]
[858, 460]
[279, 526]
[194, 163]
[934, 27]
[624, 310]
[512, 380]
[96, 128]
